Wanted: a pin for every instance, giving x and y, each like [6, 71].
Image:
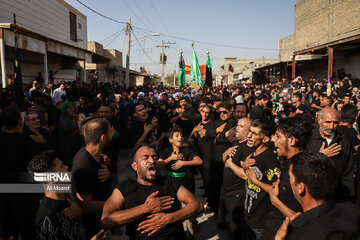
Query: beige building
[52, 36]
[326, 38]
[242, 70]
[109, 67]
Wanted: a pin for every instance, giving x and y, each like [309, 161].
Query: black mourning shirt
[232, 184]
[84, 179]
[257, 202]
[136, 194]
[329, 221]
[205, 144]
[51, 222]
[187, 153]
[286, 196]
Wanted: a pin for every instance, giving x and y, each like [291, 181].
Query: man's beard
[142, 175]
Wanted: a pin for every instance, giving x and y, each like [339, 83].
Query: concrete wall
[322, 21]
[50, 18]
[286, 48]
[115, 57]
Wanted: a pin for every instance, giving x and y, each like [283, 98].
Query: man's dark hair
[348, 113]
[138, 104]
[94, 129]
[135, 149]
[298, 95]
[184, 98]
[298, 128]
[174, 130]
[208, 107]
[243, 104]
[317, 172]
[225, 105]
[266, 127]
[288, 109]
[10, 117]
[42, 162]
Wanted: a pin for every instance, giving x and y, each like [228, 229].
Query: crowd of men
[277, 160]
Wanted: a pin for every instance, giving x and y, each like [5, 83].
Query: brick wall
[321, 21]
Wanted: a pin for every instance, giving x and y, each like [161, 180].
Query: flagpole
[19, 89]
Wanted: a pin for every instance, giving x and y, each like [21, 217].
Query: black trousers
[233, 213]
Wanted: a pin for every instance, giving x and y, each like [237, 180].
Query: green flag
[181, 71]
[195, 74]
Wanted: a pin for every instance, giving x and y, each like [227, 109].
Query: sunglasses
[223, 112]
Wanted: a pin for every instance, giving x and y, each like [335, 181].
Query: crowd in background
[228, 134]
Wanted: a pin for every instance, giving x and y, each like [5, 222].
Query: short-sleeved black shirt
[188, 154]
[84, 179]
[232, 184]
[257, 202]
[136, 194]
[51, 222]
[275, 217]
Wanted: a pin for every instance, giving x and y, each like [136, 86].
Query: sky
[228, 28]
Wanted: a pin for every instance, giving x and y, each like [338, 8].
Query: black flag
[19, 91]
[208, 76]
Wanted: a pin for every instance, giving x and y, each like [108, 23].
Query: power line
[172, 36]
[142, 47]
[128, 6]
[111, 35]
[114, 20]
[158, 14]
[115, 37]
[143, 14]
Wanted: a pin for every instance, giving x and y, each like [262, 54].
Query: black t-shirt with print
[257, 202]
[286, 196]
[136, 194]
[51, 222]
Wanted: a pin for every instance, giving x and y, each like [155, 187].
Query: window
[73, 27]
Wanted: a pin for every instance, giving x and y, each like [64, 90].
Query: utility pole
[174, 77]
[162, 58]
[128, 31]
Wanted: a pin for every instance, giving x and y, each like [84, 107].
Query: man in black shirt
[150, 205]
[290, 138]
[322, 218]
[90, 176]
[348, 115]
[261, 168]
[300, 108]
[222, 125]
[328, 141]
[139, 129]
[204, 135]
[233, 189]
[257, 111]
[55, 218]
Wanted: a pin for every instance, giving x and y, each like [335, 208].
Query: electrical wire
[142, 47]
[147, 19]
[176, 37]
